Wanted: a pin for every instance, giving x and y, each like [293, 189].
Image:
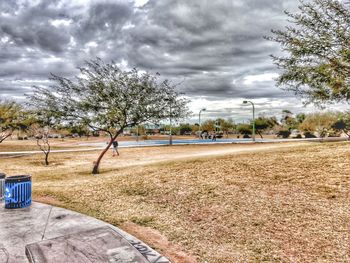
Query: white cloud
[248, 80]
[60, 22]
[140, 3]
[128, 26]
[91, 44]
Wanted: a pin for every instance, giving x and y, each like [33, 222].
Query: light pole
[246, 102]
[137, 133]
[170, 129]
[199, 119]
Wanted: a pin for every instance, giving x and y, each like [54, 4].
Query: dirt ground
[27, 145]
[135, 156]
[286, 202]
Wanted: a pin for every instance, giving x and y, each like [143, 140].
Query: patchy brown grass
[288, 204]
[15, 145]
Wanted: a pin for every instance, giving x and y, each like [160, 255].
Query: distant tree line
[16, 120]
[27, 122]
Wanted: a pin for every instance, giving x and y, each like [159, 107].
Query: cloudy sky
[214, 48]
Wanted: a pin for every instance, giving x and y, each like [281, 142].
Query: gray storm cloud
[213, 48]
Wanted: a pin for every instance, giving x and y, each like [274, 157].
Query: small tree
[288, 121]
[80, 129]
[284, 133]
[300, 117]
[10, 117]
[226, 125]
[208, 125]
[264, 123]
[342, 124]
[108, 99]
[245, 129]
[319, 122]
[42, 135]
[185, 128]
[195, 128]
[40, 125]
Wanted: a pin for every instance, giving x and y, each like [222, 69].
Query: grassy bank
[288, 204]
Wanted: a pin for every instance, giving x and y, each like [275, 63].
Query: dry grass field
[252, 203]
[59, 144]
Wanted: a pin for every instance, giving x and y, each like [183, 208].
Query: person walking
[115, 147]
[213, 136]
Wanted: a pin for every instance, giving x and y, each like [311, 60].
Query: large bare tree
[108, 99]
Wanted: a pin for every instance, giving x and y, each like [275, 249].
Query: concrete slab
[97, 245]
[39, 222]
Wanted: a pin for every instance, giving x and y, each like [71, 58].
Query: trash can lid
[18, 178]
[2, 175]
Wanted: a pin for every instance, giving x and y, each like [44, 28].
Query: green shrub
[283, 133]
[309, 135]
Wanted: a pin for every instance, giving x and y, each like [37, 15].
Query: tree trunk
[3, 138]
[260, 135]
[47, 158]
[95, 169]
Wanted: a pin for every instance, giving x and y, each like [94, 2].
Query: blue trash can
[2, 187]
[18, 191]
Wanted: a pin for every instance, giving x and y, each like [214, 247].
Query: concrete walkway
[21, 228]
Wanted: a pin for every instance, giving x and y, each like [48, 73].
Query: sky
[215, 49]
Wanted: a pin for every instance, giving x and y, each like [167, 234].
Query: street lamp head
[245, 102]
[204, 109]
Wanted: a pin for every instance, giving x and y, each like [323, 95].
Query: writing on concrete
[148, 253]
